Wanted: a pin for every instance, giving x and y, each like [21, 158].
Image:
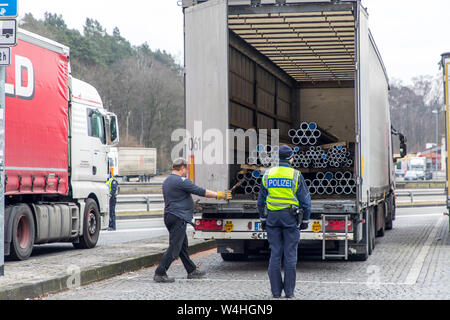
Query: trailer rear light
[338, 226]
[250, 225]
[208, 225]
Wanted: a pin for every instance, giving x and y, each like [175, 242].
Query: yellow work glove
[223, 195]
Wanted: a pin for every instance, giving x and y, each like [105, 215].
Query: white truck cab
[93, 130]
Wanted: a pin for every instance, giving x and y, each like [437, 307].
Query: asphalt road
[410, 262]
[132, 230]
[127, 231]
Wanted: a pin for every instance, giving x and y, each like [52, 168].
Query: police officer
[178, 212]
[113, 186]
[283, 191]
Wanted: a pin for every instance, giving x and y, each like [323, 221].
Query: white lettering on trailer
[18, 88]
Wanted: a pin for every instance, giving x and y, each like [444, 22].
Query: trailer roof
[312, 46]
[42, 42]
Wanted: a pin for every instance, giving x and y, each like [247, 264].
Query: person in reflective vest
[113, 186]
[283, 188]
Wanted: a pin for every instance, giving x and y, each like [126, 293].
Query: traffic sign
[8, 9]
[8, 32]
[5, 56]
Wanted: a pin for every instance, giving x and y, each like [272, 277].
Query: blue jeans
[284, 237]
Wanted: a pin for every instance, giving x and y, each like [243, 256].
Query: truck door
[207, 96]
[98, 141]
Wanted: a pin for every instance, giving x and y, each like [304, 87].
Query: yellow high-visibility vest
[282, 185]
[109, 183]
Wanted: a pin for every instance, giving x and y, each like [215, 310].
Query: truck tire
[234, 256]
[23, 233]
[91, 226]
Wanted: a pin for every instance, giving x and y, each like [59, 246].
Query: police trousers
[112, 212]
[283, 236]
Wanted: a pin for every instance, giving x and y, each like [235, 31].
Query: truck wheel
[91, 226]
[234, 256]
[23, 233]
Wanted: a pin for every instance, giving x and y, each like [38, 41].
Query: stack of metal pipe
[264, 155]
[249, 182]
[316, 157]
[339, 157]
[307, 135]
[332, 183]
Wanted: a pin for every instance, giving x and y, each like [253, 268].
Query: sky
[410, 34]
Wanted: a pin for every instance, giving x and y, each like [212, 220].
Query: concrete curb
[90, 275]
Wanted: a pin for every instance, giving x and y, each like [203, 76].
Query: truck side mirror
[403, 146]
[403, 150]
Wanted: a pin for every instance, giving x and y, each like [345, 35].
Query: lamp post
[436, 112]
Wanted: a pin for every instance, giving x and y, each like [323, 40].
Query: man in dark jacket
[178, 212]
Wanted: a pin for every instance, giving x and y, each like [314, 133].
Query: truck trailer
[133, 163]
[284, 65]
[57, 135]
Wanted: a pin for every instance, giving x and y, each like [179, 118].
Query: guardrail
[141, 184]
[417, 184]
[159, 199]
[414, 193]
[138, 199]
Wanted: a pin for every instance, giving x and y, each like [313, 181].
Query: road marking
[417, 266]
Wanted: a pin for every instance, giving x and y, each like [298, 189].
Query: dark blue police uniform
[284, 235]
